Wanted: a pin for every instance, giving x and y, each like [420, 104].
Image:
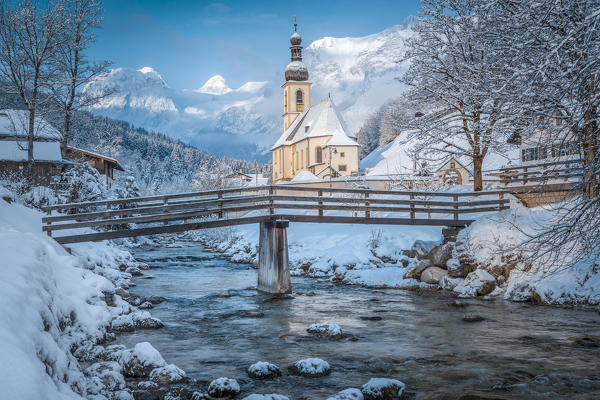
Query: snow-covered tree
[29, 38]
[452, 80]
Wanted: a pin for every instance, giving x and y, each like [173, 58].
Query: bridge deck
[111, 219]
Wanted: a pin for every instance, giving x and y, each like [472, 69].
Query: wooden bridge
[273, 207]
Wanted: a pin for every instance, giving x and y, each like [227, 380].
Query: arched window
[319, 152]
[299, 97]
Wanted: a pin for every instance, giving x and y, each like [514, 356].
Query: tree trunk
[477, 173]
[65, 138]
[30, 137]
[590, 152]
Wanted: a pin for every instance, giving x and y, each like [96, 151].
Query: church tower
[296, 89]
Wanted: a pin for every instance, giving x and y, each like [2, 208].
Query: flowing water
[518, 351]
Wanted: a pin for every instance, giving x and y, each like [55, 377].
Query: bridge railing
[540, 174]
[198, 210]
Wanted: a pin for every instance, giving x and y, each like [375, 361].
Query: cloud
[196, 111]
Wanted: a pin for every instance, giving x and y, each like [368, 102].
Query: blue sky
[187, 42]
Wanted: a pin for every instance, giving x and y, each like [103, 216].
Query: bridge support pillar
[273, 268]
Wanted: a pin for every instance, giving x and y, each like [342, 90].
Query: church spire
[296, 70]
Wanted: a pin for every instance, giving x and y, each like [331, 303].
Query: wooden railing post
[165, 210]
[500, 198]
[412, 206]
[524, 175]
[456, 207]
[49, 232]
[271, 207]
[367, 203]
[320, 203]
[220, 197]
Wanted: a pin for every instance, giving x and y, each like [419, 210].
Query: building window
[319, 152]
[342, 168]
[342, 154]
[302, 159]
[306, 128]
[299, 97]
[452, 165]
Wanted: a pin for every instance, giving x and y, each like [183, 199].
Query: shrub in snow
[477, 283]
[328, 329]
[139, 361]
[271, 396]
[311, 368]
[223, 387]
[167, 375]
[383, 389]
[348, 394]
[263, 370]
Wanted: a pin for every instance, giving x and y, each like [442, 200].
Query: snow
[312, 366]
[262, 368]
[145, 353]
[170, 371]
[12, 150]
[321, 119]
[16, 122]
[305, 176]
[215, 85]
[325, 328]
[468, 287]
[376, 386]
[50, 302]
[340, 139]
[224, 384]
[348, 394]
[271, 396]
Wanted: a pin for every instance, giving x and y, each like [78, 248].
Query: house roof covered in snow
[16, 123]
[305, 176]
[322, 119]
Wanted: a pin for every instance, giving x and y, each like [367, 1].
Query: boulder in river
[440, 254]
[310, 368]
[348, 394]
[264, 370]
[223, 387]
[141, 360]
[271, 396]
[224, 294]
[383, 389]
[156, 299]
[167, 375]
[433, 275]
[145, 305]
[477, 283]
[473, 318]
[327, 329]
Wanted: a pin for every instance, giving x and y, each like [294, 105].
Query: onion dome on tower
[296, 70]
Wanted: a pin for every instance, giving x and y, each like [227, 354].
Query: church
[315, 137]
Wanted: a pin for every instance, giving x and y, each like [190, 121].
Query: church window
[452, 165]
[319, 153]
[342, 154]
[342, 168]
[299, 96]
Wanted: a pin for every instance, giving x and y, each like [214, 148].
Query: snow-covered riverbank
[477, 264]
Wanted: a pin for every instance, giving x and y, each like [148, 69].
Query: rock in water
[263, 370]
[348, 394]
[224, 294]
[139, 361]
[458, 304]
[477, 283]
[433, 275]
[223, 387]
[271, 396]
[156, 299]
[310, 368]
[473, 318]
[383, 389]
[327, 328]
[167, 375]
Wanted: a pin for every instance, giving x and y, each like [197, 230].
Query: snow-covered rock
[141, 360]
[311, 368]
[271, 396]
[440, 254]
[448, 283]
[167, 375]
[433, 275]
[138, 319]
[105, 377]
[477, 283]
[383, 389]
[263, 370]
[328, 329]
[223, 387]
[348, 394]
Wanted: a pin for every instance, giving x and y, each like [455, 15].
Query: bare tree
[29, 36]
[81, 19]
[452, 79]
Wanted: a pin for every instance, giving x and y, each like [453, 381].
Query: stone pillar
[273, 269]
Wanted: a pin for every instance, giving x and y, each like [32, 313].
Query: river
[518, 351]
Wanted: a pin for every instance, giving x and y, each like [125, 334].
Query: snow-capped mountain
[360, 74]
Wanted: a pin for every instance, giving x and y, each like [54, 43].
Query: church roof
[322, 119]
